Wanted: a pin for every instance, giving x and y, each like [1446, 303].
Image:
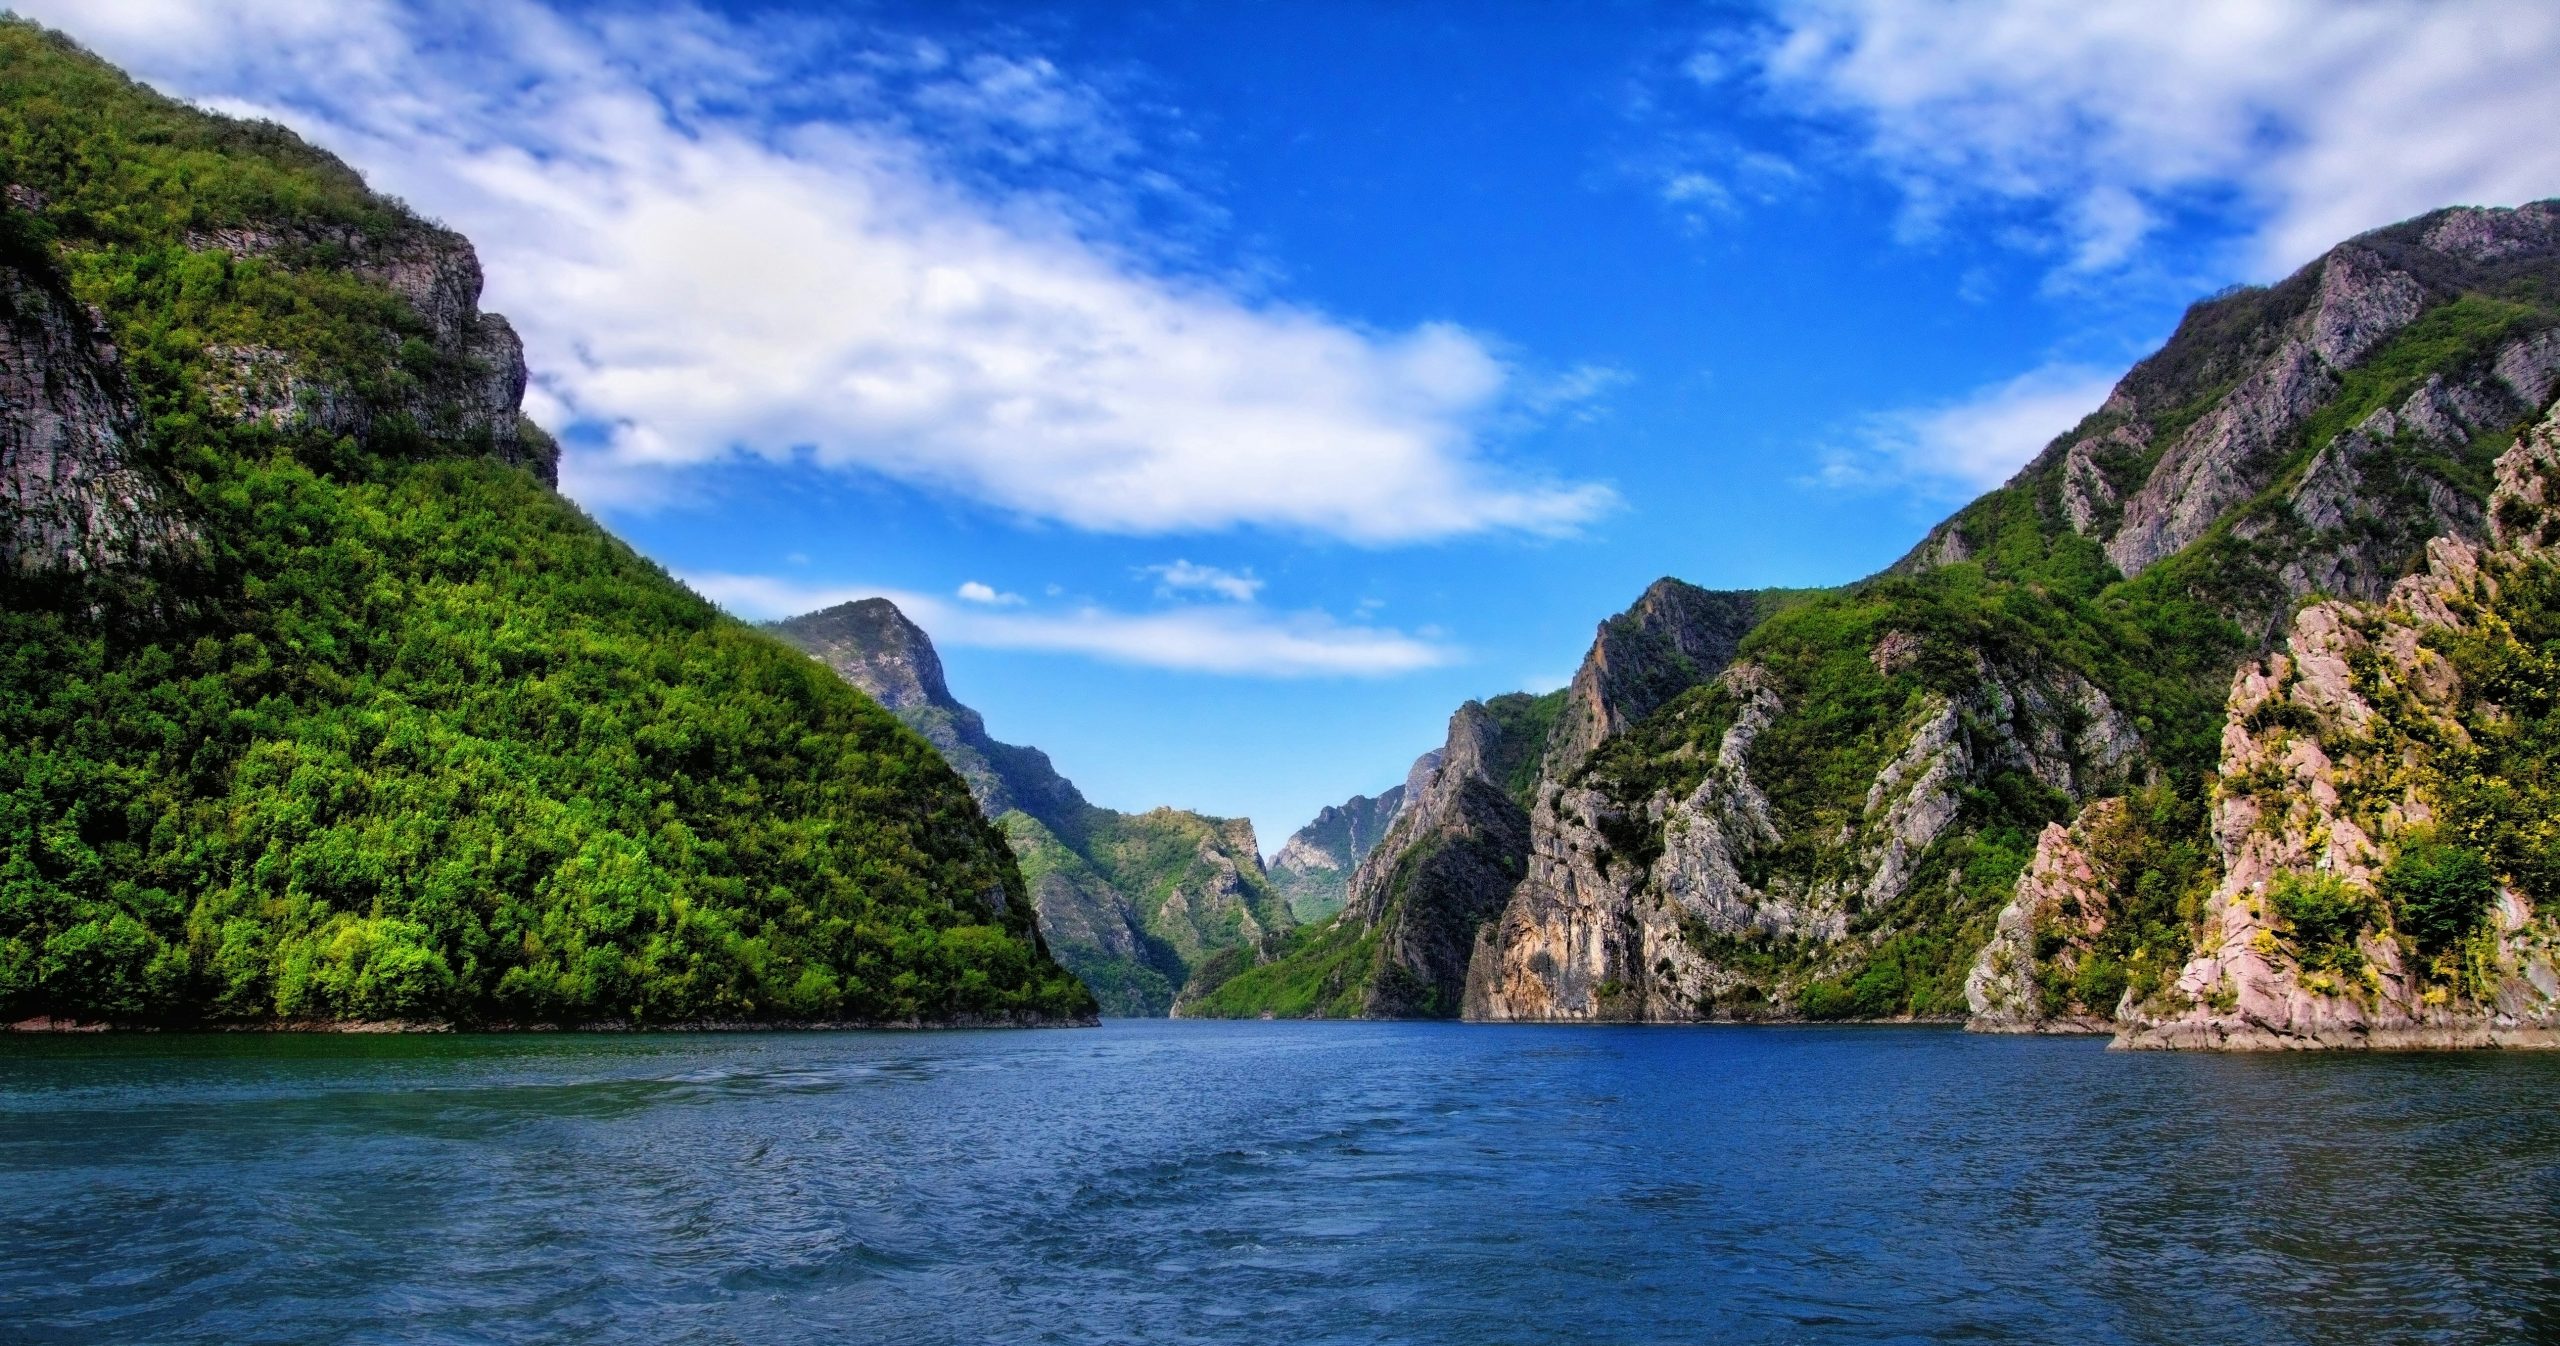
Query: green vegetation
[1319, 972]
[2497, 789]
[2324, 914]
[407, 736]
[2031, 599]
[2439, 894]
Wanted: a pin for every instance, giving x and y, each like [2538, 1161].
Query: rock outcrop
[1313, 868]
[1654, 908]
[72, 497]
[2196, 438]
[1141, 906]
[1444, 868]
[2341, 755]
[468, 379]
[1675, 636]
[2028, 979]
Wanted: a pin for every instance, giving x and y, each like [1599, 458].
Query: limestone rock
[72, 496]
[2320, 752]
[2064, 896]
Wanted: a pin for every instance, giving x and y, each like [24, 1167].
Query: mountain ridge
[1139, 905]
[1829, 823]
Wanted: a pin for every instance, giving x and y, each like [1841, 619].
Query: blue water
[1269, 1183]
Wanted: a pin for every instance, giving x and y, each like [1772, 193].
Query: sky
[1233, 388]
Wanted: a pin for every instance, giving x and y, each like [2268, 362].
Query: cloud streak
[1184, 577]
[1970, 444]
[1224, 639]
[833, 244]
[2104, 119]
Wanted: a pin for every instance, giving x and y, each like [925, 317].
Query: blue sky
[1232, 389]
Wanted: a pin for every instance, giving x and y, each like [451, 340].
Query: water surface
[1269, 1183]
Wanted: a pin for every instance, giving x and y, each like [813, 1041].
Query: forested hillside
[317, 704]
[1141, 906]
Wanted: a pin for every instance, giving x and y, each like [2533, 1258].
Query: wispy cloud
[1184, 577]
[1969, 444]
[2099, 120]
[823, 241]
[987, 595]
[1227, 639]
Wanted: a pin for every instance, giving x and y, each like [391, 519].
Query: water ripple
[1265, 1182]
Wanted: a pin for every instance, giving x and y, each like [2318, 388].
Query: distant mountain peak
[877, 648]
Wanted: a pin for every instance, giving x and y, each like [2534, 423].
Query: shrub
[2438, 893]
[2325, 914]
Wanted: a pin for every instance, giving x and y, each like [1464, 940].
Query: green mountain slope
[1830, 827]
[1145, 907]
[317, 704]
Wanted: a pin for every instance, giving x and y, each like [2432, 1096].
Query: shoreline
[42, 1025]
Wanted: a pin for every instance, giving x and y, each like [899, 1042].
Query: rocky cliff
[1400, 947]
[1839, 824]
[2384, 807]
[1312, 870]
[2310, 437]
[71, 494]
[1140, 906]
[1408, 943]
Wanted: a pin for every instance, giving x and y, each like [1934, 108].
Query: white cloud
[1184, 577]
[988, 595]
[2319, 119]
[1973, 443]
[1221, 639]
[695, 283]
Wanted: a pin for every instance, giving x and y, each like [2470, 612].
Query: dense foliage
[2439, 894]
[405, 735]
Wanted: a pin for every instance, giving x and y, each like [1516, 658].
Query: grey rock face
[1313, 867]
[476, 390]
[1675, 637]
[1595, 933]
[71, 497]
[2223, 460]
[1444, 868]
[2243, 378]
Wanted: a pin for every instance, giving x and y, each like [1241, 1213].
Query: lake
[1269, 1183]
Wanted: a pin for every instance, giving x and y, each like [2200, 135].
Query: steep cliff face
[1399, 948]
[2310, 437]
[1665, 882]
[465, 373]
[71, 495]
[1675, 636]
[1139, 906]
[2383, 812]
[1413, 939]
[1834, 827]
[1312, 871]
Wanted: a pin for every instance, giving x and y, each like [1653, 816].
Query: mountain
[2382, 870]
[1312, 872]
[1140, 906]
[1826, 815]
[317, 704]
[1404, 943]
